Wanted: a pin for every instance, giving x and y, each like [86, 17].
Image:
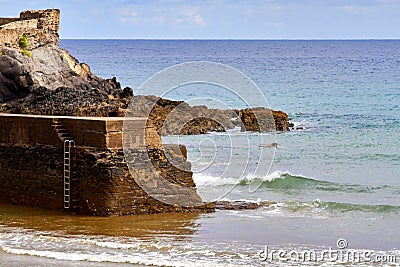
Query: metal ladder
[68, 144]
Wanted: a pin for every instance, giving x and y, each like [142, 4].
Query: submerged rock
[236, 205]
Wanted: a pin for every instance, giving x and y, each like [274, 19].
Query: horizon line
[242, 39]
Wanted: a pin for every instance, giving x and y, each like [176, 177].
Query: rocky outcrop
[177, 117]
[52, 82]
[47, 80]
[263, 120]
[236, 205]
[49, 67]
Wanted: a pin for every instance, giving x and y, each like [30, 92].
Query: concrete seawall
[95, 132]
[32, 165]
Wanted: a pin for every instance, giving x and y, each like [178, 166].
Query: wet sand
[12, 260]
[138, 226]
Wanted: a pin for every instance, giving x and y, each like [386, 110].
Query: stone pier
[32, 165]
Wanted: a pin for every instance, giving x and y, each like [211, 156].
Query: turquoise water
[335, 175]
[345, 94]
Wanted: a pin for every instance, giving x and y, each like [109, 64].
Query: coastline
[14, 260]
[334, 177]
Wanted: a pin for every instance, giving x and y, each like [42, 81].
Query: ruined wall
[8, 20]
[41, 26]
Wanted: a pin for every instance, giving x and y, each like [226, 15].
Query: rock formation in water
[39, 77]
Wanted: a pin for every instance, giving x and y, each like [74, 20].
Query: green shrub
[26, 53]
[23, 42]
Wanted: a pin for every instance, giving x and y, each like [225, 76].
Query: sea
[329, 192]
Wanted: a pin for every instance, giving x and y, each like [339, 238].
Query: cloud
[172, 1]
[277, 24]
[357, 10]
[190, 16]
[130, 16]
[158, 19]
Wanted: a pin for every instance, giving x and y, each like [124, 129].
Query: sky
[220, 19]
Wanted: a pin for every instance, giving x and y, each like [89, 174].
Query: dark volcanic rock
[236, 205]
[52, 82]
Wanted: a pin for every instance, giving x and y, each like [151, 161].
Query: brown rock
[236, 205]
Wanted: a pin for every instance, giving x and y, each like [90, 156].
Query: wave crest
[283, 180]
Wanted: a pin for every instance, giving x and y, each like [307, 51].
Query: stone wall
[103, 182]
[105, 186]
[7, 20]
[98, 132]
[31, 176]
[41, 26]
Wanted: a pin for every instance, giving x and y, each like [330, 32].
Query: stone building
[41, 27]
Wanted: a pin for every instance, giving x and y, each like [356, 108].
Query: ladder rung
[68, 143]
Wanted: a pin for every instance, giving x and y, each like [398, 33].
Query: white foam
[302, 124]
[116, 245]
[150, 258]
[163, 251]
[204, 180]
